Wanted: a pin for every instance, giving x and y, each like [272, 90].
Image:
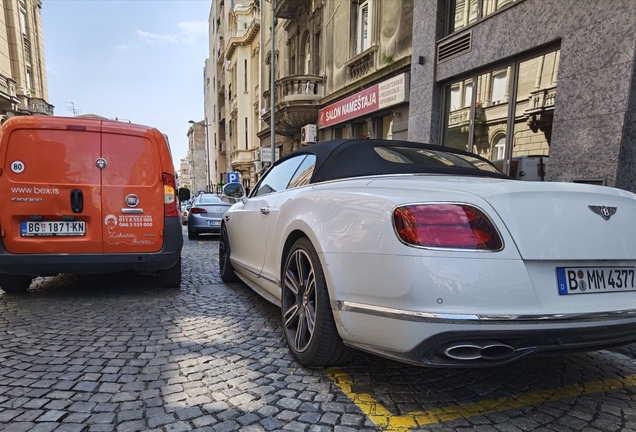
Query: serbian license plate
[49, 228]
[584, 280]
[214, 223]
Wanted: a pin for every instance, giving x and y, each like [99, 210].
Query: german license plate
[584, 280]
[52, 229]
[214, 223]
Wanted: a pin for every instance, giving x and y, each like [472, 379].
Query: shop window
[387, 127]
[364, 131]
[478, 120]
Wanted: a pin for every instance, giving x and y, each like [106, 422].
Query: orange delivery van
[84, 195]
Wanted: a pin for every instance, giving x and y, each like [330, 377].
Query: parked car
[85, 195]
[206, 213]
[431, 256]
[185, 210]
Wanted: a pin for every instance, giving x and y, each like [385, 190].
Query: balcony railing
[296, 88]
[222, 113]
[221, 83]
[39, 106]
[222, 145]
[540, 100]
[460, 118]
[7, 87]
[241, 156]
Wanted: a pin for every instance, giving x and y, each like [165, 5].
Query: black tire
[225, 266]
[171, 278]
[192, 235]
[305, 299]
[14, 284]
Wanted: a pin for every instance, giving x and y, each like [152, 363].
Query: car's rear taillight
[169, 196]
[452, 226]
[196, 210]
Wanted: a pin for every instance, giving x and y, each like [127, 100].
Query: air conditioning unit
[309, 134]
[258, 166]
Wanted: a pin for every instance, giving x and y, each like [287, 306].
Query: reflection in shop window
[484, 128]
[387, 127]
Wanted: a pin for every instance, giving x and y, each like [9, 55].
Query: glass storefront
[480, 117]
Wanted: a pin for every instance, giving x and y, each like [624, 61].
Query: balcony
[221, 83]
[540, 111]
[40, 106]
[8, 96]
[362, 64]
[297, 100]
[222, 146]
[241, 157]
[221, 51]
[222, 114]
[288, 8]
[243, 37]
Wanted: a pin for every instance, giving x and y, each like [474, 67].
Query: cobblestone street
[118, 353]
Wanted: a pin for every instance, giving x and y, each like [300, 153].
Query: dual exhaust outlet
[483, 350]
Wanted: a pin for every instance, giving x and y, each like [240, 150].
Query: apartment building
[233, 102]
[184, 174]
[23, 85]
[513, 79]
[197, 158]
[342, 70]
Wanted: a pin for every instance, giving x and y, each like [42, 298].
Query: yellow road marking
[389, 422]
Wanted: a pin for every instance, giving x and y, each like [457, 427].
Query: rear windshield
[432, 158]
[210, 199]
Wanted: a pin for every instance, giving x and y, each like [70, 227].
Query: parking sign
[232, 177]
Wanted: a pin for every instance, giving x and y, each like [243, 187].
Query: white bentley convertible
[429, 255]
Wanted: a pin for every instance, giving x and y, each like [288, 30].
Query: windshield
[210, 199]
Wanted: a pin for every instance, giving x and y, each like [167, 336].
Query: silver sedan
[206, 213]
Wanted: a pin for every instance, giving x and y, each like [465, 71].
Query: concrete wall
[595, 111]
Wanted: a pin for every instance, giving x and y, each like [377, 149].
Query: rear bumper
[52, 264]
[201, 225]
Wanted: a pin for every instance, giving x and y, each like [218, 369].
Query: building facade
[529, 79]
[23, 85]
[184, 174]
[342, 70]
[197, 158]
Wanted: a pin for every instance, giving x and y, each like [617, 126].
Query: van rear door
[132, 190]
[50, 186]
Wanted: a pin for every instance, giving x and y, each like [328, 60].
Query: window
[246, 139]
[279, 176]
[462, 13]
[317, 54]
[245, 77]
[387, 127]
[362, 27]
[477, 118]
[303, 174]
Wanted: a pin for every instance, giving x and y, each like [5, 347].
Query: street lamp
[207, 155]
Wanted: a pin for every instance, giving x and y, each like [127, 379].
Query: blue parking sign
[232, 177]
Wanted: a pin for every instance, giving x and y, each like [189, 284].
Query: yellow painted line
[389, 422]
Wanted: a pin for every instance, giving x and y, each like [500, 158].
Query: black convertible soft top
[339, 159]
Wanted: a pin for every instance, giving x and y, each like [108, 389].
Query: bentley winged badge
[603, 211]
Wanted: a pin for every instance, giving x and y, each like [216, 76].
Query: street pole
[271, 87]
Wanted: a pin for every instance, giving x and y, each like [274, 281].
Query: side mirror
[184, 194]
[234, 190]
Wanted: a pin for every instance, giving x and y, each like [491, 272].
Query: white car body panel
[388, 297]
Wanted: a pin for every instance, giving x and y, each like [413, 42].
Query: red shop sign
[354, 106]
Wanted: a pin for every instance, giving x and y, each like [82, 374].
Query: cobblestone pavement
[116, 352]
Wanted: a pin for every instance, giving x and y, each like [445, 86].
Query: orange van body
[84, 196]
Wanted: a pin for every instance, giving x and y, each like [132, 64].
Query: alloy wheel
[299, 302]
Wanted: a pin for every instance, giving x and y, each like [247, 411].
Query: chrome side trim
[428, 317]
[132, 210]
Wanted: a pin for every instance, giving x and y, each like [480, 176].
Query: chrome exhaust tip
[467, 351]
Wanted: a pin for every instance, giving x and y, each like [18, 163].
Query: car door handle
[77, 201]
[265, 210]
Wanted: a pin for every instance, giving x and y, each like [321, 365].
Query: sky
[135, 60]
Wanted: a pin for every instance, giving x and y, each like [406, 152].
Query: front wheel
[308, 321]
[225, 266]
[14, 284]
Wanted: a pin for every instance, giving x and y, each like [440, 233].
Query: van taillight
[452, 226]
[169, 196]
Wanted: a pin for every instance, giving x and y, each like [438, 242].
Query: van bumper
[52, 264]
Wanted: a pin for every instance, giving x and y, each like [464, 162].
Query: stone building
[197, 158]
[515, 79]
[23, 85]
[342, 70]
[184, 174]
[233, 101]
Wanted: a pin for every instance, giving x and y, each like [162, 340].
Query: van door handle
[265, 210]
[77, 201]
